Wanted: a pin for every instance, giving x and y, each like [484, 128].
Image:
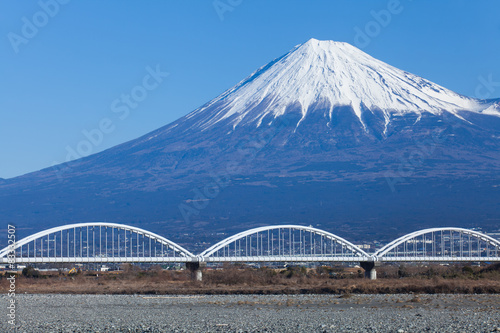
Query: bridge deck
[252, 259]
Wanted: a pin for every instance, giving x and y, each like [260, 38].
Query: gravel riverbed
[248, 313]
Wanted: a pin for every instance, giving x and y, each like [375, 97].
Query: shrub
[31, 272]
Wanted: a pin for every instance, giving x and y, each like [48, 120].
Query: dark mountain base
[357, 211]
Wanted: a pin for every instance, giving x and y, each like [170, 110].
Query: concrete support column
[196, 269]
[369, 267]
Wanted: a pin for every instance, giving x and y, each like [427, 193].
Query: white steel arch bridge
[101, 242]
[98, 242]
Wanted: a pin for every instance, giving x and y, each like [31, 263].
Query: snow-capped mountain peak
[332, 74]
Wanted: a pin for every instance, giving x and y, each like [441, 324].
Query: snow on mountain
[331, 74]
[493, 109]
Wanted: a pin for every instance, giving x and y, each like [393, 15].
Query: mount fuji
[327, 75]
[323, 135]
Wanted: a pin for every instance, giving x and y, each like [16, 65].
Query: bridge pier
[195, 268]
[369, 267]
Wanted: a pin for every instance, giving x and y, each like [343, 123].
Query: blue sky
[61, 77]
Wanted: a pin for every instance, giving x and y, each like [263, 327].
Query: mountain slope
[324, 134]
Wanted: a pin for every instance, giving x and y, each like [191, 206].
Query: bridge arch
[97, 242]
[284, 243]
[442, 244]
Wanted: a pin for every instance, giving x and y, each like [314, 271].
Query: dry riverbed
[255, 313]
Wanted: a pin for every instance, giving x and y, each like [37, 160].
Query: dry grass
[237, 280]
